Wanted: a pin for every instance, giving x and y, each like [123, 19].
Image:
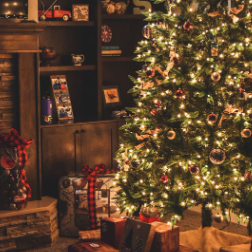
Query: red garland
[91, 176]
[12, 140]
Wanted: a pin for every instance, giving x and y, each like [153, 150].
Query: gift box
[137, 236]
[165, 239]
[112, 230]
[148, 219]
[91, 246]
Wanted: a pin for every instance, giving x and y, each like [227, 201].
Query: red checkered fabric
[91, 176]
[12, 140]
[87, 247]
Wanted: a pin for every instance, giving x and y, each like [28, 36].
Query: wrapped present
[112, 230]
[148, 219]
[137, 236]
[91, 246]
[87, 235]
[149, 214]
[165, 239]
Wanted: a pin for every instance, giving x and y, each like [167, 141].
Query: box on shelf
[112, 230]
[137, 236]
[165, 239]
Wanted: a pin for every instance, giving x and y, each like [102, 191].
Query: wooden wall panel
[8, 93]
[27, 113]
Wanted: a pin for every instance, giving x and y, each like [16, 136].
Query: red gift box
[112, 230]
[148, 219]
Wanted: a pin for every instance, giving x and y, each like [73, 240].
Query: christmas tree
[188, 139]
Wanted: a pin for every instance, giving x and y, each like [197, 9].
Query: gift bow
[91, 176]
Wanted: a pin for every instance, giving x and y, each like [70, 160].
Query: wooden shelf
[123, 16]
[44, 69]
[67, 23]
[117, 58]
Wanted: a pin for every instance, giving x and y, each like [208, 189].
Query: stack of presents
[88, 211]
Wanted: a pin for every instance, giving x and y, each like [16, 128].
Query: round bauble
[179, 93]
[217, 156]
[171, 134]
[135, 163]
[188, 25]
[150, 72]
[175, 60]
[194, 169]
[212, 118]
[146, 31]
[13, 206]
[215, 76]
[218, 218]
[164, 178]
[247, 175]
[246, 133]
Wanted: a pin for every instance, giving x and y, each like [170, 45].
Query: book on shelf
[110, 48]
[111, 52]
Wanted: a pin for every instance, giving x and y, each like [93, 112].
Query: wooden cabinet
[67, 148]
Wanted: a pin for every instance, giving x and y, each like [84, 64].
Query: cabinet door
[99, 143]
[60, 153]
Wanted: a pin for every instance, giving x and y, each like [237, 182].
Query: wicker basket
[115, 7]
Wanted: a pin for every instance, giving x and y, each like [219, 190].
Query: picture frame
[111, 95]
[61, 97]
[80, 12]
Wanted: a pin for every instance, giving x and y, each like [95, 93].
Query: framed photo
[59, 82]
[62, 97]
[111, 95]
[80, 12]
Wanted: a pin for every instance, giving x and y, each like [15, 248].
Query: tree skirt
[210, 239]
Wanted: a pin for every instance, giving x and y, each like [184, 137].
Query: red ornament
[194, 169]
[188, 25]
[164, 178]
[247, 175]
[150, 72]
[179, 93]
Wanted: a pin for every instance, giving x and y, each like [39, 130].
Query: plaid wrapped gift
[91, 176]
[91, 246]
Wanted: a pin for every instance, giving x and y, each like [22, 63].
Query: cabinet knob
[77, 131]
[83, 131]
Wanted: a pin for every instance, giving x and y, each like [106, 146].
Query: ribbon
[91, 177]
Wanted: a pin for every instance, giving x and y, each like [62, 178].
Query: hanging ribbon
[91, 176]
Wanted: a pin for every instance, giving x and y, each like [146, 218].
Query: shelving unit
[93, 136]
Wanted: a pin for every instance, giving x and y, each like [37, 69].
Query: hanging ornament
[194, 169]
[135, 163]
[150, 72]
[217, 156]
[201, 46]
[146, 31]
[164, 178]
[175, 59]
[247, 175]
[212, 118]
[179, 93]
[171, 134]
[246, 133]
[188, 25]
[215, 76]
[218, 218]
[242, 89]
[214, 49]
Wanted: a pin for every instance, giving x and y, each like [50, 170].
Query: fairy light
[182, 105]
[141, 181]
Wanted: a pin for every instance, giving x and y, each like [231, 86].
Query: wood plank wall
[9, 100]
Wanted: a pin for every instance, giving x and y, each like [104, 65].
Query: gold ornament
[212, 118]
[215, 76]
[171, 134]
[217, 156]
[218, 218]
[246, 133]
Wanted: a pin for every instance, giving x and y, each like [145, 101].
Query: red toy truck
[54, 11]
